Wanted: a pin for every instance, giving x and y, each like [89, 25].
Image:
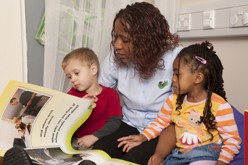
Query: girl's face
[80, 75]
[183, 76]
[122, 43]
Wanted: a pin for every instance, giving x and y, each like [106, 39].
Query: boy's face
[81, 76]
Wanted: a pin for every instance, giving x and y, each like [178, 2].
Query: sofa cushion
[239, 118]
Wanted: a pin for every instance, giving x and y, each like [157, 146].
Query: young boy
[81, 67]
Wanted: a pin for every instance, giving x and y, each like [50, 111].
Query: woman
[140, 67]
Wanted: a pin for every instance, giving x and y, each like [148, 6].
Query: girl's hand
[220, 163]
[128, 142]
[156, 159]
[87, 141]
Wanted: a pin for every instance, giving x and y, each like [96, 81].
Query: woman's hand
[128, 142]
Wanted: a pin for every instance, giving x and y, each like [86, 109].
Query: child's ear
[94, 69]
[199, 77]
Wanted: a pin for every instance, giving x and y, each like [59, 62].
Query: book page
[50, 156]
[49, 119]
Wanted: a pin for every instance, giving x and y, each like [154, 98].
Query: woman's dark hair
[149, 34]
[203, 58]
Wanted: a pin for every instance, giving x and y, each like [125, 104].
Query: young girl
[206, 132]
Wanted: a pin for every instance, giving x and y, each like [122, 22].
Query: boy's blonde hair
[85, 55]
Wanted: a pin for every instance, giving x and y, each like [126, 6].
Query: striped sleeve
[161, 122]
[228, 130]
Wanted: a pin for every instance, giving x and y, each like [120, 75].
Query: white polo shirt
[142, 99]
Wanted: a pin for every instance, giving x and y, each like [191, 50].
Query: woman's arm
[31, 99]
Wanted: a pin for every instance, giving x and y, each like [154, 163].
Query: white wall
[9, 131]
[12, 43]
[231, 50]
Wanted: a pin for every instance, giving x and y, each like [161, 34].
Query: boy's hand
[128, 142]
[94, 98]
[87, 141]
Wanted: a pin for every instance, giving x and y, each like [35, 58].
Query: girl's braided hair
[212, 71]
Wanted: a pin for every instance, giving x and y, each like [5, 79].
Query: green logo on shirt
[162, 84]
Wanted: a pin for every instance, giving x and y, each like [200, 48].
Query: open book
[43, 121]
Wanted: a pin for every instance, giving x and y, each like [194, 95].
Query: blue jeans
[206, 152]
